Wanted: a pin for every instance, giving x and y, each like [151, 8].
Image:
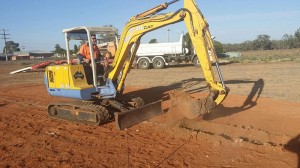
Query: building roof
[33, 53]
[40, 52]
[21, 53]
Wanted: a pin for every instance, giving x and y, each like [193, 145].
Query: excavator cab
[82, 80]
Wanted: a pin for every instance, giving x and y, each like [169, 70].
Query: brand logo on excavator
[147, 27]
[131, 30]
[51, 76]
[140, 28]
[78, 75]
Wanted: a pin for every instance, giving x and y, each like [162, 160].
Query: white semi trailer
[160, 55]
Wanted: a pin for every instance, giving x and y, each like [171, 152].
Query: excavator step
[137, 115]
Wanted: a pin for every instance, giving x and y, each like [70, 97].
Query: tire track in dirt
[235, 133]
[28, 96]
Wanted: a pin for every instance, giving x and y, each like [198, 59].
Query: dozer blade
[137, 115]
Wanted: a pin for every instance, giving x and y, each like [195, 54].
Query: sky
[38, 25]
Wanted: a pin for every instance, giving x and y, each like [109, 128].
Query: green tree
[75, 49]
[153, 41]
[59, 50]
[218, 46]
[288, 41]
[297, 38]
[245, 46]
[262, 42]
[278, 44]
[11, 47]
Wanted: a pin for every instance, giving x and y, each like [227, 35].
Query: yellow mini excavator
[100, 89]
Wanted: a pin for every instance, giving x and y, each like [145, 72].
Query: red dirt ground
[256, 126]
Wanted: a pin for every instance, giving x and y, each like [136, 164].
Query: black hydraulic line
[220, 74]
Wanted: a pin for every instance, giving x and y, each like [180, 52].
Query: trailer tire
[143, 63]
[158, 63]
[196, 62]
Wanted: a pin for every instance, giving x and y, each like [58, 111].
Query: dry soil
[256, 126]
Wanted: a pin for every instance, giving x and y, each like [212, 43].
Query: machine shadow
[294, 146]
[160, 92]
[222, 111]
[180, 65]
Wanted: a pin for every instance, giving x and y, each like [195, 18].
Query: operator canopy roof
[80, 33]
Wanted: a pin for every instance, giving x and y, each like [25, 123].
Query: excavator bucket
[188, 106]
[137, 115]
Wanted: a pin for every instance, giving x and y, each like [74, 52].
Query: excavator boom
[198, 30]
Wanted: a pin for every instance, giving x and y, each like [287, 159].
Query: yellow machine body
[68, 81]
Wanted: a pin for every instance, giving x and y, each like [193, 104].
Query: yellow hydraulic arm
[200, 36]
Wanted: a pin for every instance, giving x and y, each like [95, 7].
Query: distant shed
[21, 55]
[36, 54]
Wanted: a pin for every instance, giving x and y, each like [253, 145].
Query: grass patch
[287, 55]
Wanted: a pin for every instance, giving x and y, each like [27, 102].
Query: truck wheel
[196, 62]
[158, 63]
[144, 63]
